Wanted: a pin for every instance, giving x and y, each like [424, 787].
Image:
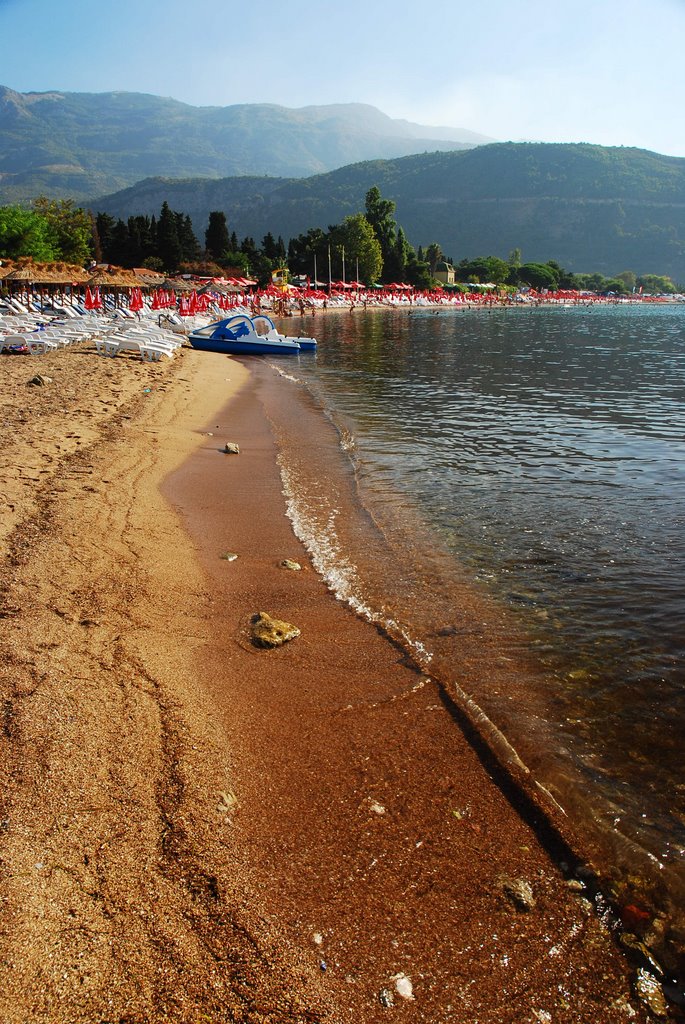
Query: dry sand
[192, 829]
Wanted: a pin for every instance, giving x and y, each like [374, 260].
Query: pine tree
[168, 244]
[190, 247]
[217, 240]
[379, 213]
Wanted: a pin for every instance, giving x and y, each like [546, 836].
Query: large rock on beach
[268, 632]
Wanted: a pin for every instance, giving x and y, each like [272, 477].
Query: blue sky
[603, 71]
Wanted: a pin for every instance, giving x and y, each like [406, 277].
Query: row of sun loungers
[152, 344]
[33, 333]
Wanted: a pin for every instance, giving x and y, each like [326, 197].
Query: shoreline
[202, 812]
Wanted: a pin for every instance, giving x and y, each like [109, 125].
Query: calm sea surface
[538, 455]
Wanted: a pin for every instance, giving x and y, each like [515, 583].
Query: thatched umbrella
[179, 284]
[24, 275]
[148, 278]
[59, 275]
[62, 273]
[114, 279]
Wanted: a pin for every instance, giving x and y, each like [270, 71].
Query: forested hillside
[588, 207]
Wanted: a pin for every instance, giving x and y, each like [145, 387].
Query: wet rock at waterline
[268, 632]
[651, 993]
[288, 563]
[519, 892]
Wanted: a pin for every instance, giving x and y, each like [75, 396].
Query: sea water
[519, 483]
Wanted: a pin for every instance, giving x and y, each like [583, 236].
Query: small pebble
[403, 986]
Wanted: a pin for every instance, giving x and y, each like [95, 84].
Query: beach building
[444, 273]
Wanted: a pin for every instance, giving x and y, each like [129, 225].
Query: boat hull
[242, 348]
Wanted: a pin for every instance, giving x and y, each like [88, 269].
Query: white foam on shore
[316, 529]
[282, 373]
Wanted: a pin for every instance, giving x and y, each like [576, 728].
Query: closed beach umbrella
[135, 302]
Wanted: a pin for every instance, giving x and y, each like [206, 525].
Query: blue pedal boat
[238, 335]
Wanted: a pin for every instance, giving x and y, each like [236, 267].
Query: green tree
[217, 240]
[514, 259]
[629, 279]
[655, 284]
[234, 259]
[117, 248]
[484, 270]
[72, 227]
[361, 245]
[141, 242]
[309, 249]
[417, 272]
[26, 233]
[433, 256]
[593, 282]
[270, 248]
[556, 271]
[538, 276]
[190, 247]
[102, 236]
[395, 267]
[616, 285]
[168, 244]
[380, 215]
[153, 263]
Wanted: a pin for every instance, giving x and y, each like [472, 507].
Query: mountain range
[81, 145]
[273, 169]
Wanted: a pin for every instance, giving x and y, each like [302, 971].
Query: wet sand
[195, 829]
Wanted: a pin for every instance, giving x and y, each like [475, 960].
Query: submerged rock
[268, 632]
[519, 892]
[640, 952]
[651, 993]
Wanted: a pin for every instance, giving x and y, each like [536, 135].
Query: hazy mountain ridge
[80, 145]
[590, 207]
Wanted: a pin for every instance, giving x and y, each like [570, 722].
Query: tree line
[368, 246]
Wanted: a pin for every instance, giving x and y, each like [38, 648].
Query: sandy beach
[196, 829]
